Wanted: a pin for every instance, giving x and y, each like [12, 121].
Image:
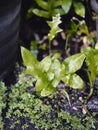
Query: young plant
[54, 28]
[47, 72]
[91, 55]
[50, 71]
[71, 65]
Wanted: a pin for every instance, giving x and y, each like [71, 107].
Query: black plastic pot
[9, 31]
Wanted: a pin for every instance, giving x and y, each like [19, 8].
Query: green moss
[27, 109]
[2, 103]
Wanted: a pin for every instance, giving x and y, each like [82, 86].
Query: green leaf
[73, 63]
[92, 61]
[83, 29]
[50, 75]
[43, 4]
[96, 63]
[74, 26]
[66, 5]
[41, 13]
[47, 91]
[54, 27]
[55, 82]
[54, 73]
[45, 63]
[56, 68]
[43, 71]
[44, 87]
[29, 61]
[40, 85]
[28, 57]
[79, 8]
[74, 81]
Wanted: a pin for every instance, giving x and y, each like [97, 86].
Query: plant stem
[88, 97]
[49, 47]
[86, 109]
[91, 86]
[66, 44]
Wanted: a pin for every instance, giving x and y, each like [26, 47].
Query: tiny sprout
[54, 27]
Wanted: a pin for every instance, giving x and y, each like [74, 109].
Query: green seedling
[92, 64]
[50, 71]
[73, 64]
[54, 28]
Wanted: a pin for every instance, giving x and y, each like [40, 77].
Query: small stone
[84, 111]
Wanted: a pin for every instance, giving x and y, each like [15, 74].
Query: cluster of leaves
[92, 64]
[2, 103]
[77, 27]
[49, 8]
[50, 71]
